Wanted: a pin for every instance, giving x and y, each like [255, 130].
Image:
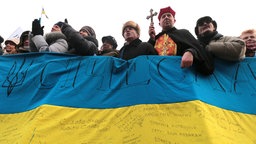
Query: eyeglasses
[201, 23]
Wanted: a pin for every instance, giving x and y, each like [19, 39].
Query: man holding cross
[179, 42]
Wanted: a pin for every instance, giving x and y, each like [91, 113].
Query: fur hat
[111, 40]
[16, 41]
[166, 10]
[205, 19]
[133, 25]
[89, 30]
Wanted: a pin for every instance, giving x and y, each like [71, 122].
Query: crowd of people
[199, 51]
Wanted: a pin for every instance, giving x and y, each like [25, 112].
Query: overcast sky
[108, 16]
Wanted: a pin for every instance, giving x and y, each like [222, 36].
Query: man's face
[107, 46]
[248, 36]
[205, 26]
[130, 34]
[10, 47]
[83, 33]
[55, 28]
[167, 21]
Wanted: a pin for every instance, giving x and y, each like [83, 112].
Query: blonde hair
[248, 31]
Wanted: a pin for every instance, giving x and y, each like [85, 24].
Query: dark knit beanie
[59, 24]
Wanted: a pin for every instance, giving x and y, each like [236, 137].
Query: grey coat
[227, 48]
[51, 42]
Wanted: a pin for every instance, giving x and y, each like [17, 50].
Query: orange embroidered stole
[165, 46]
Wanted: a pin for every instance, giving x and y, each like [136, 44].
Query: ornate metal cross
[151, 15]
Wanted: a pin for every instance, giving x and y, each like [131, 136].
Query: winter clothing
[21, 47]
[1, 39]
[133, 25]
[224, 47]
[185, 41]
[13, 40]
[10, 49]
[51, 42]
[112, 52]
[201, 20]
[111, 40]
[89, 30]
[79, 45]
[36, 28]
[166, 10]
[136, 48]
[59, 24]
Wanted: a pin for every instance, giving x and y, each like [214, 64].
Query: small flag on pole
[43, 13]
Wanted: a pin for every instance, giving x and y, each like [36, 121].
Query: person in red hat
[179, 42]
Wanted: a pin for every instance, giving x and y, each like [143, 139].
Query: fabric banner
[58, 98]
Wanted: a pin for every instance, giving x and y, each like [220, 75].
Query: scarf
[209, 36]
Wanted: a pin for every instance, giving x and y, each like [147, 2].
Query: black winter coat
[136, 48]
[185, 41]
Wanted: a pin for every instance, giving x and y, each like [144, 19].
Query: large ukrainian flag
[48, 98]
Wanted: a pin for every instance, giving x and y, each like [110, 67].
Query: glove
[36, 28]
[66, 20]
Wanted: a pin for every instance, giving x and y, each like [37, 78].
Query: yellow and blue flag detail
[55, 98]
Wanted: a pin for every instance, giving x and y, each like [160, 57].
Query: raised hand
[36, 28]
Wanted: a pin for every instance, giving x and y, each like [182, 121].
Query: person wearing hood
[83, 45]
[24, 44]
[229, 48]
[52, 42]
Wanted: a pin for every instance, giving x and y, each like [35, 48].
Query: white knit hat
[16, 41]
